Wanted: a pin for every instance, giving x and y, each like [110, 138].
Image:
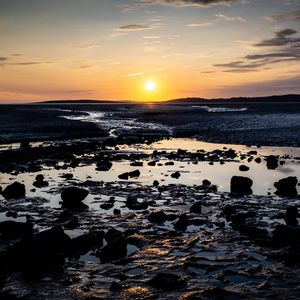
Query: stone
[272, 162]
[182, 223]
[244, 168]
[241, 185]
[40, 182]
[157, 217]
[12, 229]
[14, 191]
[175, 175]
[113, 251]
[196, 207]
[73, 196]
[133, 204]
[291, 216]
[167, 281]
[286, 187]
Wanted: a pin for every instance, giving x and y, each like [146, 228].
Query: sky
[110, 49]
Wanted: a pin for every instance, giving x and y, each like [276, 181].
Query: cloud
[29, 63]
[200, 24]
[190, 3]
[85, 45]
[230, 19]
[138, 27]
[287, 49]
[289, 16]
[281, 38]
[3, 58]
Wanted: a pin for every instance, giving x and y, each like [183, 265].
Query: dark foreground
[69, 229]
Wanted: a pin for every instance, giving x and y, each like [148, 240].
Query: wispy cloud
[190, 3]
[134, 74]
[200, 24]
[288, 16]
[230, 19]
[138, 27]
[287, 49]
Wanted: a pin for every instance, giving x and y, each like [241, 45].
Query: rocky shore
[70, 238]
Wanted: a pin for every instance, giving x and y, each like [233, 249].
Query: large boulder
[113, 251]
[40, 251]
[12, 229]
[14, 191]
[241, 185]
[286, 187]
[272, 162]
[157, 217]
[73, 196]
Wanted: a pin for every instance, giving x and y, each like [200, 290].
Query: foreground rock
[157, 217]
[40, 182]
[40, 251]
[286, 187]
[14, 191]
[241, 185]
[127, 175]
[167, 281]
[115, 250]
[73, 196]
[291, 216]
[12, 229]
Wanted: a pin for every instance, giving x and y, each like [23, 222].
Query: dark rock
[137, 164]
[86, 242]
[291, 216]
[12, 214]
[272, 162]
[196, 208]
[104, 165]
[39, 181]
[117, 212]
[73, 196]
[157, 217]
[167, 281]
[113, 234]
[116, 287]
[169, 163]
[241, 185]
[127, 175]
[133, 204]
[286, 187]
[25, 144]
[155, 183]
[72, 223]
[12, 229]
[286, 235]
[257, 160]
[113, 251]
[40, 251]
[244, 168]
[152, 163]
[228, 211]
[175, 175]
[182, 223]
[107, 205]
[14, 191]
[206, 182]
[67, 176]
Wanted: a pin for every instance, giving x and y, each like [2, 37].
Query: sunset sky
[109, 49]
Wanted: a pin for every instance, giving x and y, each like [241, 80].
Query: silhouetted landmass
[193, 100]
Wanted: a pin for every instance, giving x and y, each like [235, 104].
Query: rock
[137, 164]
[12, 214]
[286, 235]
[155, 183]
[175, 175]
[72, 223]
[206, 182]
[86, 242]
[272, 162]
[257, 160]
[40, 251]
[157, 217]
[116, 287]
[39, 181]
[286, 187]
[104, 165]
[228, 211]
[241, 185]
[117, 211]
[67, 176]
[291, 216]
[152, 163]
[113, 234]
[133, 204]
[25, 144]
[196, 208]
[167, 281]
[14, 191]
[12, 229]
[169, 163]
[107, 205]
[244, 168]
[113, 251]
[182, 223]
[72, 197]
[127, 175]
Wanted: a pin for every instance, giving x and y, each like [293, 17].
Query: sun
[150, 86]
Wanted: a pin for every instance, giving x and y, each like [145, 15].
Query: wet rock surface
[147, 241]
